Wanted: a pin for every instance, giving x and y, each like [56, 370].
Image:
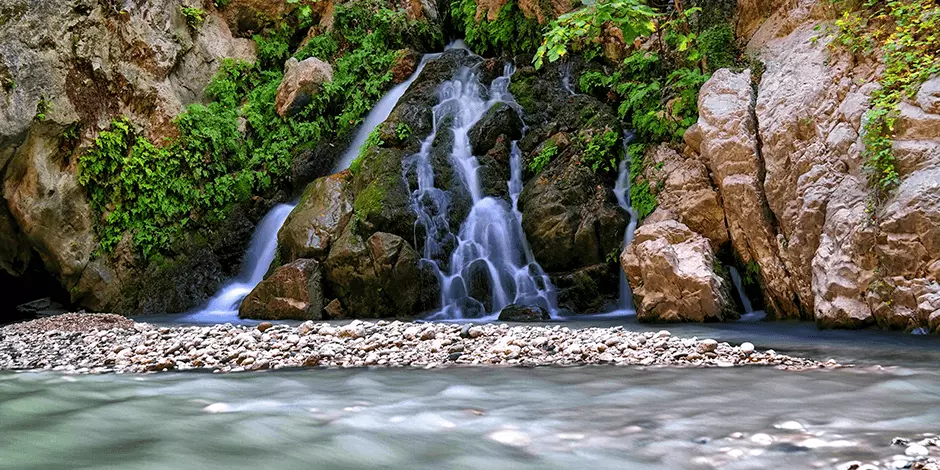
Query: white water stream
[622, 191]
[492, 265]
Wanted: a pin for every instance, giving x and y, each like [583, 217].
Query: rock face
[144, 62]
[684, 192]
[302, 80]
[786, 157]
[293, 292]
[671, 271]
[730, 148]
[569, 212]
[318, 220]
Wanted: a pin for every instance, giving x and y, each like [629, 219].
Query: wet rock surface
[140, 347]
[671, 271]
[293, 292]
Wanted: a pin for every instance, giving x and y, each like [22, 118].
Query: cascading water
[223, 306]
[492, 265]
[622, 191]
[258, 258]
[749, 313]
[566, 78]
[379, 114]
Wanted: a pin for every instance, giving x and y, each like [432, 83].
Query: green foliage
[656, 89]
[42, 108]
[402, 131]
[511, 31]
[641, 195]
[601, 153]
[221, 3]
[194, 16]
[580, 28]
[751, 276]
[544, 157]
[905, 31]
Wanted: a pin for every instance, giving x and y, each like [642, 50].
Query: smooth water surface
[590, 417]
[579, 417]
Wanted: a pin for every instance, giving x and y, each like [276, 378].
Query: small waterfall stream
[223, 306]
[492, 265]
[622, 191]
[749, 313]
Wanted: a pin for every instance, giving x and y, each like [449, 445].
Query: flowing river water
[539, 418]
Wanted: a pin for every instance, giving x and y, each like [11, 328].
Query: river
[579, 417]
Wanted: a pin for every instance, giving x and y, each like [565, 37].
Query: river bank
[84, 343]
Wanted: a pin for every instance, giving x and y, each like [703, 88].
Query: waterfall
[566, 78]
[739, 287]
[491, 265]
[622, 191]
[379, 114]
[749, 313]
[223, 306]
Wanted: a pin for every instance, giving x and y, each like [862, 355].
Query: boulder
[49, 206]
[500, 120]
[523, 313]
[293, 292]
[302, 81]
[730, 148]
[684, 190]
[319, 218]
[374, 278]
[671, 271]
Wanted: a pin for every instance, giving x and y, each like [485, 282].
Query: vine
[905, 32]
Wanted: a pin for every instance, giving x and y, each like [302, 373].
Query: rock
[569, 221]
[730, 149]
[334, 310]
[378, 277]
[318, 219]
[301, 83]
[928, 97]
[707, 346]
[916, 450]
[49, 205]
[465, 331]
[265, 326]
[405, 65]
[522, 313]
[475, 332]
[684, 190]
[293, 292]
[747, 348]
[499, 121]
[671, 271]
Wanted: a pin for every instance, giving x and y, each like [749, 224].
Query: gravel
[101, 343]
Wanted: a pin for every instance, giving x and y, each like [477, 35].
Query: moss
[523, 91]
[369, 201]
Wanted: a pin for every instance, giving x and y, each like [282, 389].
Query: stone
[523, 313]
[318, 219]
[671, 271]
[730, 150]
[372, 278]
[707, 345]
[501, 120]
[301, 83]
[265, 326]
[928, 96]
[334, 310]
[747, 348]
[916, 450]
[293, 292]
